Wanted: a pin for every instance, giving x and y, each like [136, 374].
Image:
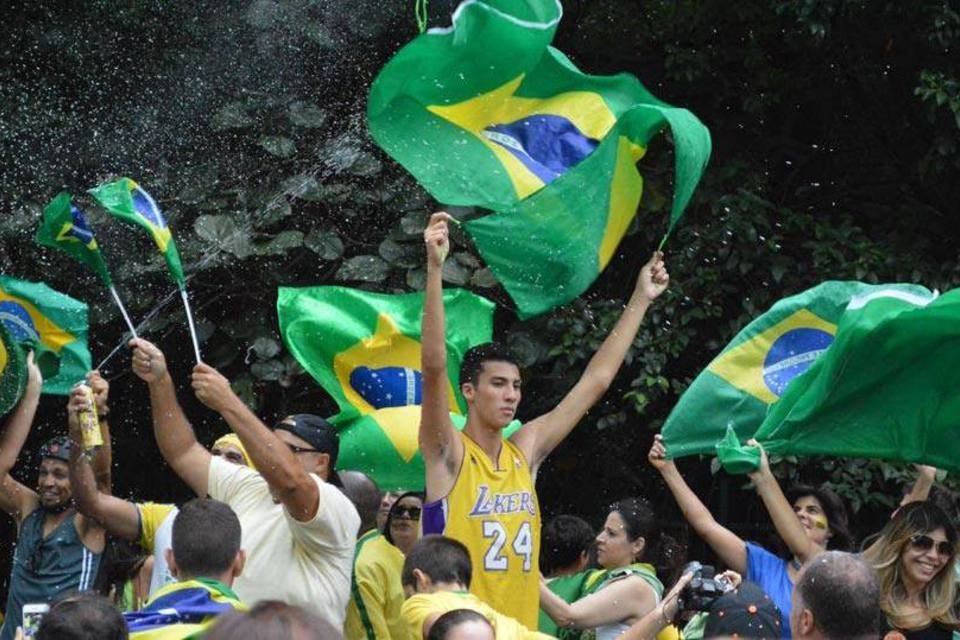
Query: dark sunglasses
[294, 448]
[407, 512]
[922, 542]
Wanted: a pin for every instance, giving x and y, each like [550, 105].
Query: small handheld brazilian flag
[128, 201]
[751, 374]
[364, 350]
[52, 323]
[65, 227]
[485, 113]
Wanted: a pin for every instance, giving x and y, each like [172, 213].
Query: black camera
[701, 592]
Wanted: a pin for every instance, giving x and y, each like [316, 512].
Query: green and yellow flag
[364, 350]
[738, 387]
[886, 388]
[486, 113]
[50, 322]
[128, 201]
[13, 371]
[65, 227]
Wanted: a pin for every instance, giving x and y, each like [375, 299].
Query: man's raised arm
[442, 449]
[270, 455]
[15, 498]
[174, 435]
[540, 436]
[117, 516]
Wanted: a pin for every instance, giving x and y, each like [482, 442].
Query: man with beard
[58, 550]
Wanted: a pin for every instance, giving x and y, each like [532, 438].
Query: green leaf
[455, 273]
[307, 114]
[414, 223]
[416, 278]
[281, 243]
[399, 254]
[268, 370]
[364, 269]
[231, 116]
[264, 348]
[222, 231]
[325, 244]
[278, 146]
[483, 278]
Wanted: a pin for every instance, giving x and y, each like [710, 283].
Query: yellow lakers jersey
[493, 510]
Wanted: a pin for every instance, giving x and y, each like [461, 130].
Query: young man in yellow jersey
[480, 487]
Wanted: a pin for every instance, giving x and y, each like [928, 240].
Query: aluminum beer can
[90, 423]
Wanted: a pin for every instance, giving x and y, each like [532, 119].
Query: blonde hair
[884, 555]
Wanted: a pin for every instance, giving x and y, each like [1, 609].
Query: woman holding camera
[627, 589]
[810, 522]
[914, 558]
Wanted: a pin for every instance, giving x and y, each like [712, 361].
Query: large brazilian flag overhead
[52, 323]
[364, 350]
[485, 113]
[886, 389]
[751, 374]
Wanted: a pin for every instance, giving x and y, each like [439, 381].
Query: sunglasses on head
[925, 543]
[407, 512]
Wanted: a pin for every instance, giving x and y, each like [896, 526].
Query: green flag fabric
[364, 350]
[65, 227]
[13, 371]
[53, 324]
[738, 387]
[485, 113]
[128, 201]
[887, 387]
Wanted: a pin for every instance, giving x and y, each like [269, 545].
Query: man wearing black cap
[58, 550]
[299, 530]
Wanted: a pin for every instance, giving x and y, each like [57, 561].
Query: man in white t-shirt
[299, 530]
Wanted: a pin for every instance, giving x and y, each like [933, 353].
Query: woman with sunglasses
[633, 551]
[914, 559]
[376, 593]
[809, 521]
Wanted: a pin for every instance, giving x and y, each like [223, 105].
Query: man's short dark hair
[563, 542]
[473, 360]
[451, 619]
[440, 558]
[843, 594]
[206, 538]
[83, 616]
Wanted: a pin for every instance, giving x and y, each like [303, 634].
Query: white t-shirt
[306, 564]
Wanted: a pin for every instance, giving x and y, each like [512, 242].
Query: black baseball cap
[320, 434]
[57, 448]
[747, 612]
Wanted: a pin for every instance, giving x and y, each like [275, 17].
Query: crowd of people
[281, 544]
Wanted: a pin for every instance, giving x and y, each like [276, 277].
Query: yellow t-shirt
[421, 606]
[376, 594]
[493, 511]
[156, 536]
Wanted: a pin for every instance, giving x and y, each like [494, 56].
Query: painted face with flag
[486, 113]
[364, 350]
[752, 373]
[51, 322]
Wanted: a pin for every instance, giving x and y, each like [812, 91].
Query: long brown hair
[884, 555]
